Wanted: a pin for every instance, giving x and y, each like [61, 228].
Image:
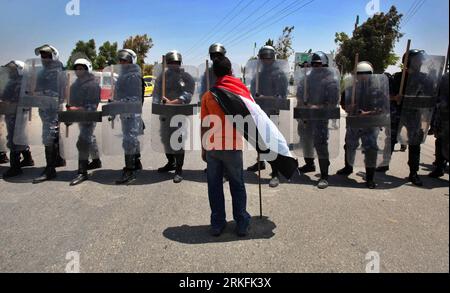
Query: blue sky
[181, 24]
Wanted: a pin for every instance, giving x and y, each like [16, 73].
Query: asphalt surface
[155, 225]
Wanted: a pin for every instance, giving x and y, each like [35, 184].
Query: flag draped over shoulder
[236, 100]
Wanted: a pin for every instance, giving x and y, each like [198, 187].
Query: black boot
[370, 178]
[82, 173]
[170, 166]
[382, 169]
[27, 159]
[308, 167]
[95, 164]
[3, 158]
[15, 169]
[415, 179]
[59, 162]
[438, 172]
[348, 169]
[179, 162]
[324, 165]
[129, 173]
[49, 172]
[257, 166]
[439, 163]
[138, 162]
[178, 178]
[413, 162]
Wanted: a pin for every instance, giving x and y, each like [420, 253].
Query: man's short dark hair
[222, 66]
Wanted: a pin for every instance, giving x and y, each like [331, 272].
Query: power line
[263, 19]
[212, 30]
[274, 22]
[244, 20]
[258, 25]
[411, 8]
[215, 31]
[414, 12]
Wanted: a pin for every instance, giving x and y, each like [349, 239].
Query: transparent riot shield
[419, 98]
[368, 138]
[39, 102]
[80, 137]
[4, 107]
[175, 121]
[316, 131]
[268, 82]
[10, 84]
[442, 116]
[122, 124]
[3, 135]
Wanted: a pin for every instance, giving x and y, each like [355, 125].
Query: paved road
[157, 226]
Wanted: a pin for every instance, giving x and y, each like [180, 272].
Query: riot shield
[5, 104]
[268, 82]
[39, 102]
[10, 84]
[419, 100]
[122, 124]
[368, 138]
[79, 136]
[316, 131]
[175, 128]
[3, 135]
[443, 115]
[208, 78]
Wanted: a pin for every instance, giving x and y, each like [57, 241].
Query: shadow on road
[31, 173]
[146, 177]
[259, 229]
[383, 181]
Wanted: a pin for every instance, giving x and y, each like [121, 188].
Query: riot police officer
[48, 82]
[11, 95]
[128, 89]
[441, 130]
[323, 94]
[269, 81]
[371, 101]
[85, 96]
[179, 90]
[410, 122]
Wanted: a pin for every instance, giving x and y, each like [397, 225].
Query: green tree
[85, 50]
[141, 45]
[107, 55]
[148, 69]
[283, 47]
[374, 40]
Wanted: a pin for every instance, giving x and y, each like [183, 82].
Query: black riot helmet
[416, 56]
[267, 52]
[217, 50]
[174, 57]
[320, 58]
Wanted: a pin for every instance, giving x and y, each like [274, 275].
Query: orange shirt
[218, 137]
